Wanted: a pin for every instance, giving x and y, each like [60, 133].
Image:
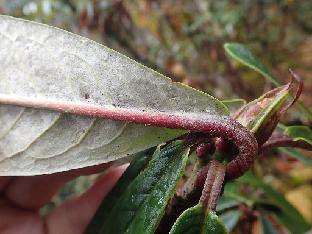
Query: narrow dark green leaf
[267, 227]
[230, 219]
[270, 191]
[290, 224]
[232, 197]
[213, 225]
[288, 211]
[300, 133]
[190, 221]
[226, 202]
[140, 208]
[244, 55]
[293, 152]
[297, 155]
[138, 163]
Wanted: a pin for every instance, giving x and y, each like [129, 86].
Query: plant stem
[214, 126]
[213, 185]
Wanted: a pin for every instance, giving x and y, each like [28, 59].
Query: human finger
[33, 192]
[74, 215]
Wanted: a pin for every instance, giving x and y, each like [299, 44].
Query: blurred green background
[184, 40]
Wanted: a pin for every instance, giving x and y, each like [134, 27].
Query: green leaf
[230, 219]
[295, 221]
[297, 155]
[293, 152]
[267, 227]
[193, 221]
[68, 102]
[213, 225]
[138, 163]
[226, 202]
[141, 206]
[232, 197]
[291, 224]
[299, 133]
[244, 55]
[270, 191]
[190, 221]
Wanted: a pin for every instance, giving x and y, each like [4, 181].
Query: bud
[204, 149]
[262, 115]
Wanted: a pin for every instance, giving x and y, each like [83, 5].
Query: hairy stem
[213, 126]
[213, 185]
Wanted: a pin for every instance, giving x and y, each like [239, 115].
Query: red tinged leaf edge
[283, 141]
[247, 113]
[215, 126]
[298, 92]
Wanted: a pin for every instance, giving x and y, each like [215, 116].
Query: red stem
[213, 126]
[213, 185]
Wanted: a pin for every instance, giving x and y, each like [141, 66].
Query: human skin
[22, 197]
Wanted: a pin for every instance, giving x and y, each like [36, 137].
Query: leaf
[193, 221]
[290, 224]
[81, 84]
[293, 152]
[297, 155]
[226, 202]
[230, 219]
[202, 218]
[300, 197]
[141, 206]
[267, 227]
[190, 221]
[289, 215]
[299, 133]
[245, 56]
[232, 197]
[138, 163]
[213, 224]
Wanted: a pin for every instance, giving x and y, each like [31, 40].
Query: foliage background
[184, 40]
